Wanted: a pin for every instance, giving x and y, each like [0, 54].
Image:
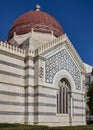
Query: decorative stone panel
[59, 61]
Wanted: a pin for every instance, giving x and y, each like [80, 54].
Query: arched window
[63, 97]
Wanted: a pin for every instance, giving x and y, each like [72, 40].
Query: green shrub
[87, 127]
[5, 126]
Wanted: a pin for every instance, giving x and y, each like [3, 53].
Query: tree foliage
[90, 98]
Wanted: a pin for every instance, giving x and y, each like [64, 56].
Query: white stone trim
[59, 40]
[64, 74]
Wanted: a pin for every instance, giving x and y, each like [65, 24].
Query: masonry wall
[11, 87]
[16, 85]
[46, 108]
[11, 104]
[78, 109]
[27, 97]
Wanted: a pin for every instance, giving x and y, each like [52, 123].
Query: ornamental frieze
[41, 71]
[60, 61]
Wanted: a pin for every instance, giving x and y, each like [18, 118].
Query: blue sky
[75, 17]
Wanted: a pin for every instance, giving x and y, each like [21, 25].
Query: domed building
[42, 77]
[38, 25]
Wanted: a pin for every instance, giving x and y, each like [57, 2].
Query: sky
[75, 17]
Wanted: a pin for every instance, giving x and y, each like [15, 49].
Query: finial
[37, 8]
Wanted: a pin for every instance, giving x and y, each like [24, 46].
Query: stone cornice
[4, 46]
[75, 53]
[47, 46]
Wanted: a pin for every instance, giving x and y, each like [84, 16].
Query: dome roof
[39, 21]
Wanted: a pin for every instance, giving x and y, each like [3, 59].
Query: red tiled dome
[39, 21]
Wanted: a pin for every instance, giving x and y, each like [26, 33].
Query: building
[88, 81]
[41, 74]
[89, 75]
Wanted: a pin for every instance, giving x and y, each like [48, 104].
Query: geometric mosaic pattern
[59, 61]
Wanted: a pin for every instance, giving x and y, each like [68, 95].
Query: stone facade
[29, 83]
